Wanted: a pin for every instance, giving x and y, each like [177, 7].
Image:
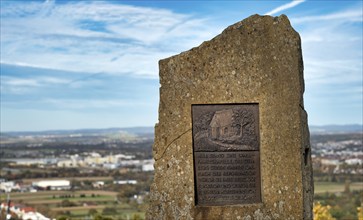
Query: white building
[131, 163]
[123, 156]
[110, 166]
[66, 163]
[53, 184]
[330, 162]
[98, 184]
[34, 216]
[354, 161]
[147, 167]
[8, 186]
[123, 182]
[22, 212]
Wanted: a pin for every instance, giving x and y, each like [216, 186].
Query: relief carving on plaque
[226, 154]
[225, 127]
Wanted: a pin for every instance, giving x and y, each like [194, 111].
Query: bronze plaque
[226, 154]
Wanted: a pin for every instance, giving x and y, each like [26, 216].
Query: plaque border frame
[259, 155]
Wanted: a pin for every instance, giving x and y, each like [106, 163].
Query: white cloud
[332, 54]
[78, 104]
[326, 71]
[90, 104]
[351, 15]
[285, 7]
[53, 80]
[20, 82]
[332, 51]
[20, 85]
[33, 82]
[96, 36]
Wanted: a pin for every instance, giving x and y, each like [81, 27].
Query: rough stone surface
[257, 60]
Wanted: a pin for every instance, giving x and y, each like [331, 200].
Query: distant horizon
[140, 127]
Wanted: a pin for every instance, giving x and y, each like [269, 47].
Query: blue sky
[94, 64]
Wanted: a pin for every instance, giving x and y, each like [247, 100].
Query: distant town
[106, 173]
[76, 174]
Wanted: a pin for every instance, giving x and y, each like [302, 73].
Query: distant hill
[149, 131]
[132, 130]
[140, 130]
[353, 128]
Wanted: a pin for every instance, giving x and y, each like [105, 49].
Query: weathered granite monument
[232, 140]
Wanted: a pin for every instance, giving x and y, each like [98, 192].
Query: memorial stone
[232, 140]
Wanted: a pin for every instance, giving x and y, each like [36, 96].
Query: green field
[83, 201]
[322, 187]
[47, 195]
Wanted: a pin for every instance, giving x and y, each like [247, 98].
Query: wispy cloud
[285, 7]
[351, 15]
[327, 71]
[332, 49]
[26, 85]
[70, 104]
[96, 36]
[19, 82]
[32, 82]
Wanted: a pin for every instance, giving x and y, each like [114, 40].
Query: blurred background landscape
[81, 174]
[68, 67]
